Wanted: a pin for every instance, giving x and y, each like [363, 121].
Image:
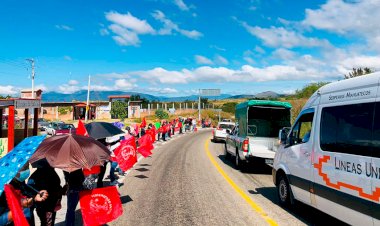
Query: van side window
[376, 132]
[347, 129]
[302, 130]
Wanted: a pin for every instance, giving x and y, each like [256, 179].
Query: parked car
[220, 132]
[42, 124]
[52, 127]
[330, 158]
[65, 129]
[255, 135]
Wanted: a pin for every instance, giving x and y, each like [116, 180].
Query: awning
[84, 105]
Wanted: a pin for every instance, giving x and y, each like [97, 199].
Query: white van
[330, 159]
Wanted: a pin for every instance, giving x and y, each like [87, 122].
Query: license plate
[269, 161]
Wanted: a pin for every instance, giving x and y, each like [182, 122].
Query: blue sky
[174, 47]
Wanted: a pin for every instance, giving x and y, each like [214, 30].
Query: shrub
[161, 114]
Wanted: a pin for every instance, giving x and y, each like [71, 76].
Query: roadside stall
[7, 123]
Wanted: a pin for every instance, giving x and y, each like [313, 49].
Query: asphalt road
[179, 185]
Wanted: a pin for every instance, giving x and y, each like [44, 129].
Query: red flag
[14, 205]
[152, 134]
[143, 123]
[93, 170]
[81, 130]
[126, 155]
[100, 206]
[145, 145]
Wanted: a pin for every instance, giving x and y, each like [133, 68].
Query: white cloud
[41, 87]
[123, 84]
[220, 60]
[347, 64]
[68, 89]
[348, 18]
[181, 5]
[104, 32]
[124, 37]
[246, 73]
[64, 27]
[281, 37]
[202, 60]
[163, 90]
[260, 50]
[283, 54]
[68, 58]
[249, 60]
[169, 26]
[217, 48]
[126, 28]
[8, 90]
[130, 22]
[73, 82]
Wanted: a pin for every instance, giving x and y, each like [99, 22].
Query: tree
[309, 89]
[229, 107]
[5, 97]
[358, 72]
[119, 109]
[161, 114]
[204, 100]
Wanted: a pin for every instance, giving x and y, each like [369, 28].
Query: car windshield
[66, 126]
[226, 126]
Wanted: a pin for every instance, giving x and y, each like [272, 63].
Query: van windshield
[267, 121]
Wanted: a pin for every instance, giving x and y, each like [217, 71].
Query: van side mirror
[283, 134]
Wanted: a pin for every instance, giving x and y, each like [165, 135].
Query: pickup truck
[255, 135]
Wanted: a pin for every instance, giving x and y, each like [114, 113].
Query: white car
[220, 132]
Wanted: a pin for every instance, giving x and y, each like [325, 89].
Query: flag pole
[88, 99]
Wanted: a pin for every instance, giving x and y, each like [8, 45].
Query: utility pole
[88, 99]
[199, 106]
[31, 60]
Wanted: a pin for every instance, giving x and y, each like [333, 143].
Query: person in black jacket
[47, 179]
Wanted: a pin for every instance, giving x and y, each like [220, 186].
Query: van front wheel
[283, 191]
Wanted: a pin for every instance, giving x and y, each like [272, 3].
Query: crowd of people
[42, 195]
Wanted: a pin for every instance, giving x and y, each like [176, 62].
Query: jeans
[72, 202]
[112, 171]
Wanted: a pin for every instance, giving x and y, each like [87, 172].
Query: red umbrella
[70, 152]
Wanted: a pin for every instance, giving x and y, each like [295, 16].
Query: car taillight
[245, 145]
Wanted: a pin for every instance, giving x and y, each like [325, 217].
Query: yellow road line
[254, 206]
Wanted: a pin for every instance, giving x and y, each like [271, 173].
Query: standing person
[46, 178]
[157, 124]
[74, 184]
[194, 122]
[173, 126]
[180, 126]
[27, 199]
[102, 168]
[163, 126]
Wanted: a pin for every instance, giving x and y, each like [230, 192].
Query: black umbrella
[101, 130]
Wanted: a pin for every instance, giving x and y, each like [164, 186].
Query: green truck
[255, 135]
